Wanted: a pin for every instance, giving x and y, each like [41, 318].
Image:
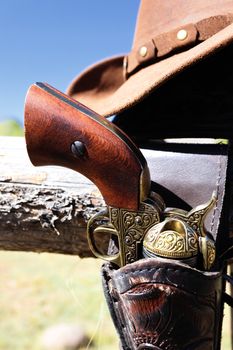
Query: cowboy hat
[170, 37]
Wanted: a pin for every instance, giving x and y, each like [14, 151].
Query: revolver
[61, 131]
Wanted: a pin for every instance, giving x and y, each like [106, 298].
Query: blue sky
[54, 40]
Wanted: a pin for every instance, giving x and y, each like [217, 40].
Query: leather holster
[163, 304]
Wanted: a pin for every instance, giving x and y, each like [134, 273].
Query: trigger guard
[100, 222]
[103, 214]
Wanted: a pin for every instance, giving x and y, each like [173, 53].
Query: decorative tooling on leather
[168, 317]
[164, 304]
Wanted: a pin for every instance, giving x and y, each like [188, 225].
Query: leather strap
[179, 39]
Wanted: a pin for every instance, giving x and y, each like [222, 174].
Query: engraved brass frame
[172, 238]
[195, 217]
[182, 235]
[130, 228]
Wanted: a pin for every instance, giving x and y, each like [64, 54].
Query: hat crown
[170, 37]
[158, 16]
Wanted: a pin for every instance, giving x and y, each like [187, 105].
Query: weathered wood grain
[43, 209]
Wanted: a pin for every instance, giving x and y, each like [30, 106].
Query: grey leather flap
[191, 179]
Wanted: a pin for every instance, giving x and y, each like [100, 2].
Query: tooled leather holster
[168, 304]
[162, 304]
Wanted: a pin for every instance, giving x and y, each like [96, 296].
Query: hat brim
[102, 87]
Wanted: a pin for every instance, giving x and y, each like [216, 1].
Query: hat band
[177, 40]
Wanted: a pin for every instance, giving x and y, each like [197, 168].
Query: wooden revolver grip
[61, 131]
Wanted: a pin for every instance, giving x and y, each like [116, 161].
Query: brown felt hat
[170, 36]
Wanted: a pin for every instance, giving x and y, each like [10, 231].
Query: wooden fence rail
[43, 209]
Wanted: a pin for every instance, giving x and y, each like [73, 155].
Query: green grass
[10, 127]
[40, 290]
